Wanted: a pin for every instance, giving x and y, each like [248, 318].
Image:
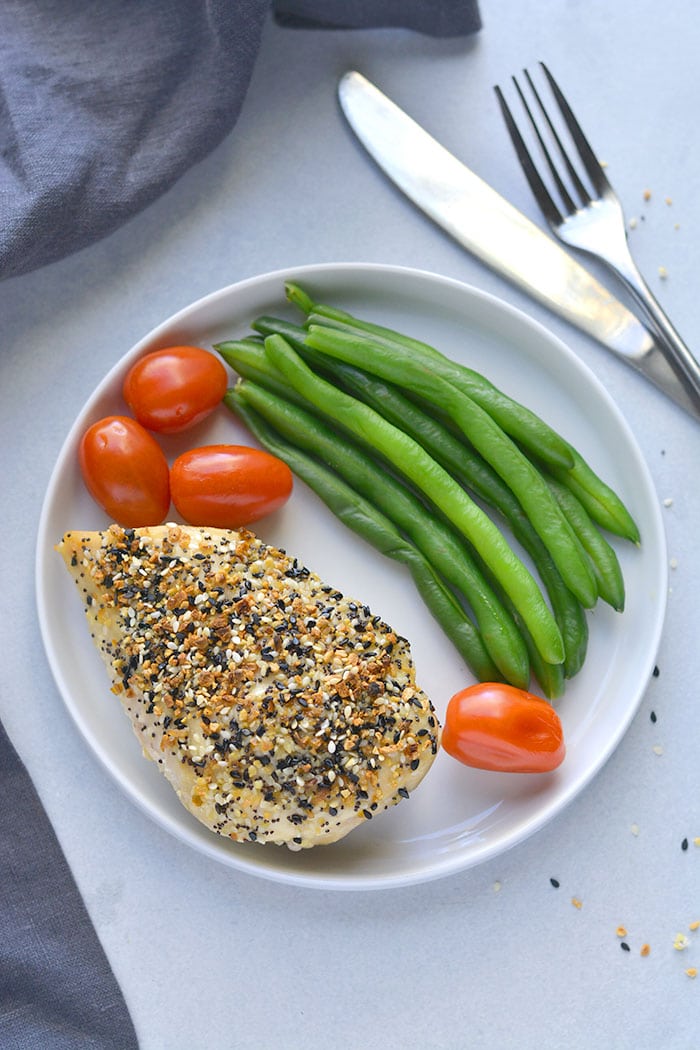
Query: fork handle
[679, 356]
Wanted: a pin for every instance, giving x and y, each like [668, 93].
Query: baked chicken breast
[279, 710]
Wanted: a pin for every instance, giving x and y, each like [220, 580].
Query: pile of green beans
[425, 459]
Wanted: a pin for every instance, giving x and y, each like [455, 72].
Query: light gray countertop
[495, 956]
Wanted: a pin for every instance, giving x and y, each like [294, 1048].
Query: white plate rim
[376, 272]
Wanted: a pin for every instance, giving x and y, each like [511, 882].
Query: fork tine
[564, 193]
[583, 193]
[540, 191]
[588, 157]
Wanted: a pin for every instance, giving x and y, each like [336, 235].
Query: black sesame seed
[625, 946]
[555, 883]
[656, 672]
[652, 716]
[684, 844]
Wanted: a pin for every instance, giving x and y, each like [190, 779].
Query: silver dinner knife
[485, 224]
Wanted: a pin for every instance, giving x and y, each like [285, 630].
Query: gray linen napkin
[57, 989]
[103, 106]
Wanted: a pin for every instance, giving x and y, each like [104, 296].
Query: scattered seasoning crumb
[645, 949]
[555, 883]
[652, 716]
[668, 201]
[625, 946]
[657, 749]
[692, 971]
[633, 224]
[497, 887]
[647, 195]
[673, 563]
[635, 829]
[621, 931]
[694, 925]
[696, 840]
[676, 226]
[663, 273]
[577, 902]
[680, 942]
[668, 502]
[684, 845]
[656, 672]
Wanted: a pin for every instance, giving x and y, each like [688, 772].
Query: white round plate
[458, 817]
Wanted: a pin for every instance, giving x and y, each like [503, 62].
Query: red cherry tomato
[499, 727]
[170, 390]
[125, 471]
[228, 486]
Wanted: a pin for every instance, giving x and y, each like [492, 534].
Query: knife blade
[491, 228]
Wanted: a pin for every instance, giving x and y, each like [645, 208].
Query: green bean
[606, 566]
[296, 337]
[447, 554]
[514, 418]
[296, 294]
[300, 298]
[487, 437]
[249, 360]
[359, 516]
[520, 422]
[551, 677]
[467, 467]
[410, 459]
[602, 503]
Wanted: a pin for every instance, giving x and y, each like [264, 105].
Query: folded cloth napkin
[104, 105]
[57, 989]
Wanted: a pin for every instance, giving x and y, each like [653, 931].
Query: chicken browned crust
[279, 710]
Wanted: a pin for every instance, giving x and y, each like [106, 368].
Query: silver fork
[596, 224]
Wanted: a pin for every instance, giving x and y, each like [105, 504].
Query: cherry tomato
[499, 727]
[172, 389]
[125, 471]
[228, 486]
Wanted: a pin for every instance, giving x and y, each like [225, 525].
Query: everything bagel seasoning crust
[279, 710]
